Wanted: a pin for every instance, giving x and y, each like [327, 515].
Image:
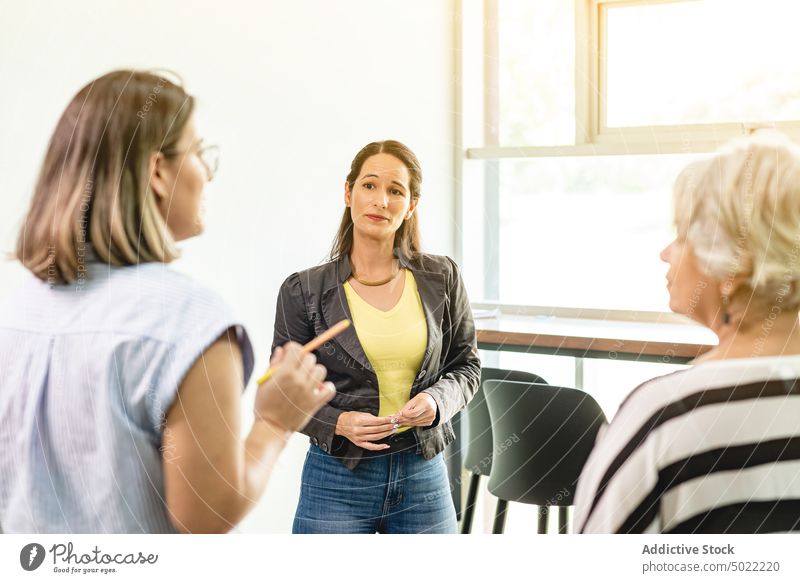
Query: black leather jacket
[311, 301]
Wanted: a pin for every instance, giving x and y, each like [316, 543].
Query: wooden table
[669, 342]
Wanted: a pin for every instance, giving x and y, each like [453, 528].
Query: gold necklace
[373, 283]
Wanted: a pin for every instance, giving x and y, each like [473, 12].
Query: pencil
[312, 345]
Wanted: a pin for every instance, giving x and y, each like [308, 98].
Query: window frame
[592, 138]
[656, 139]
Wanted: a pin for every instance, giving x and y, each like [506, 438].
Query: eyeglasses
[209, 156]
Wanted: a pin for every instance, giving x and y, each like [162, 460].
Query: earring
[726, 315]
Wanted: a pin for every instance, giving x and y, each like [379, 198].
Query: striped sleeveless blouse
[88, 372]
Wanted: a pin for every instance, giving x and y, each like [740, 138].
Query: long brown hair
[93, 187]
[407, 239]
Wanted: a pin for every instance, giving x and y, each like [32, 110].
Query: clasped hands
[364, 428]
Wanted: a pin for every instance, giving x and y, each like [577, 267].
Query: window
[578, 116]
[570, 229]
[536, 79]
[700, 63]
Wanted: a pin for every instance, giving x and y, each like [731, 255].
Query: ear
[731, 286]
[412, 207]
[158, 180]
[347, 193]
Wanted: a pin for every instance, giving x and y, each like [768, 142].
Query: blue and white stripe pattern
[87, 375]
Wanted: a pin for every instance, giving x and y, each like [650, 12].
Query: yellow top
[394, 342]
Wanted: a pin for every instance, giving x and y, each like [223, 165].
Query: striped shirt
[88, 372]
[710, 449]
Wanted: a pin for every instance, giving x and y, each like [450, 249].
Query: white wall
[289, 89]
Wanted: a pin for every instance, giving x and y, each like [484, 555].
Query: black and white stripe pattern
[715, 448]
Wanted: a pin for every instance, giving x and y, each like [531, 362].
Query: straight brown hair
[93, 187]
[407, 240]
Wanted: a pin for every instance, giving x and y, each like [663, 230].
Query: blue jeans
[393, 493]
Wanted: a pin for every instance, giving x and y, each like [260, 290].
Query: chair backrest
[479, 446]
[543, 435]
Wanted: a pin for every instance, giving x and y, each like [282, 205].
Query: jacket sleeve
[292, 325]
[461, 373]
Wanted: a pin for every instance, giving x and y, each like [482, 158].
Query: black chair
[543, 435]
[478, 459]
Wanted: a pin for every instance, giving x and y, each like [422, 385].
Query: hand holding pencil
[311, 346]
[292, 390]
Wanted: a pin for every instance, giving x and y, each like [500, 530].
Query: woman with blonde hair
[121, 379]
[716, 448]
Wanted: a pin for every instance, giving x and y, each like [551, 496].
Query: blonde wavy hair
[740, 212]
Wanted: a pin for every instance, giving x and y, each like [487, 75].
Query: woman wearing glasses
[404, 368]
[120, 379]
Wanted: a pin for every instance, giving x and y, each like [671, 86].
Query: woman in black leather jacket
[405, 367]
